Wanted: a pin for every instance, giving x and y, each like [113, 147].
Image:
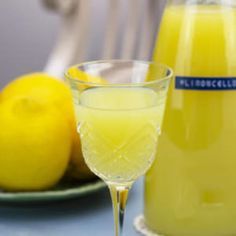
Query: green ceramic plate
[64, 190]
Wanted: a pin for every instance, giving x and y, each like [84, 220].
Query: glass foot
[140, 226]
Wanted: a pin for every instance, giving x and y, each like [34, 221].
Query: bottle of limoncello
[191, 188]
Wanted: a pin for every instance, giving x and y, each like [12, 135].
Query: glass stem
[119, 196]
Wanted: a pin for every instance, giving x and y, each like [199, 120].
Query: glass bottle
[191, 188]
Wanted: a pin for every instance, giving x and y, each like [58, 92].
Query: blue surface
[86, 216]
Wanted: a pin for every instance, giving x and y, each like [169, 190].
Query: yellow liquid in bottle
[191, 188]
[119, 131]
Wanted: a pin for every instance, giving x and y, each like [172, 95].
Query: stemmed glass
[119, 109]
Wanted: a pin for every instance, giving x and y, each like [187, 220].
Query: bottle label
[205, 83]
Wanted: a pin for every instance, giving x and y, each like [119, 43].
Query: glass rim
[113, 61]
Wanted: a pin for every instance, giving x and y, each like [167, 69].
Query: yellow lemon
[35, 144]
[75, 73]
[55, 95]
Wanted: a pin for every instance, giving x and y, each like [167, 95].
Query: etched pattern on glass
[105, 159]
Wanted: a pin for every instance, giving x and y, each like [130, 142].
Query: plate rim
[52, 194]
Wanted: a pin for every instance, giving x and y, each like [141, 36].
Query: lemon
[34, 92]
[75, 73]
[55, 95]
[35, 144]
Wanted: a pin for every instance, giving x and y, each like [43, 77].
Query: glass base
[141, 227]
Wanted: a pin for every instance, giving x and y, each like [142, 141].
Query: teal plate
[64, 190]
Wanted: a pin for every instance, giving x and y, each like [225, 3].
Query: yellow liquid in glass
[191, 188]
[119, 131]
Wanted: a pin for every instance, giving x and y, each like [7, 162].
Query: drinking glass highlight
[119, 108]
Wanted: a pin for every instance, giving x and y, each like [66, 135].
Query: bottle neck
[202, 2]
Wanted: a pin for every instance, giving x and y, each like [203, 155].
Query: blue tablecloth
[86, 216]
